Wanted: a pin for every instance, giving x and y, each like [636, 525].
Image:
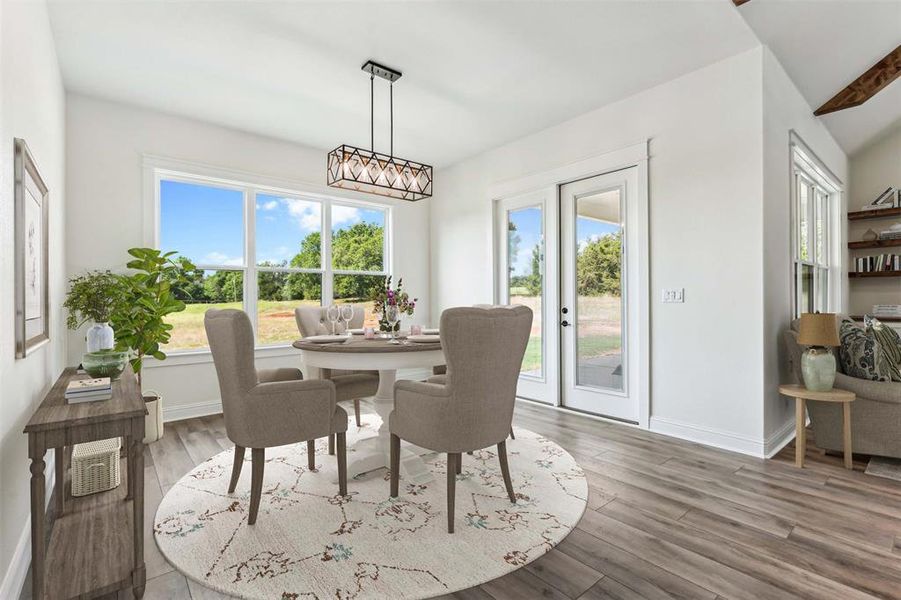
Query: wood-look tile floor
[665, 519]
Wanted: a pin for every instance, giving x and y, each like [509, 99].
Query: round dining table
[357, 353]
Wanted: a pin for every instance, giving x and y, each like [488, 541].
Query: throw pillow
[860, 353]
[889, 342]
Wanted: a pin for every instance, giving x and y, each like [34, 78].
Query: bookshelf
[882, 213]
[854, 274]
[874, 287]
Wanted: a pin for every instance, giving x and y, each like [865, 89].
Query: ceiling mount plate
[382, 71]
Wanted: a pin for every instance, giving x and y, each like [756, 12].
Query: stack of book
[887, 310]
[89, 390]
[892, 233]
[881, 262]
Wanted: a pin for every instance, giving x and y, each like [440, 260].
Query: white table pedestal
[374, 453]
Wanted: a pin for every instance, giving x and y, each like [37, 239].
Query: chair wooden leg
[342, 463]
[453, 459]
[258, 462]
[236, 468]
[395, 465]
[505, 470]
[357, 411]
[311, 454]
[331, 445]
[512, 437]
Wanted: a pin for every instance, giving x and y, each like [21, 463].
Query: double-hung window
[815, 199]
[266, 251]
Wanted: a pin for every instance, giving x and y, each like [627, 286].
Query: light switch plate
[674, 295]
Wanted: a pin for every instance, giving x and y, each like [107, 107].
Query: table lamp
[818, 332]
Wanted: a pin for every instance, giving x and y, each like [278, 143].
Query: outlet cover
[674, 295]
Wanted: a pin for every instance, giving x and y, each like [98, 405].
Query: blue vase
[818, 369]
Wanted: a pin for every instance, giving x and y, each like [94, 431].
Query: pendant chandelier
[372, 172]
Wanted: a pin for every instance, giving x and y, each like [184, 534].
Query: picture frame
[31, 211]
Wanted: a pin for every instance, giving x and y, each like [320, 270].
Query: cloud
[218, 258]
[345, 214]
[307, 214]
[270, 205]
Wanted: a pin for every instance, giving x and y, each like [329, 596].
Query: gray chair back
[484, 348]
[313, 320]
[230, 336]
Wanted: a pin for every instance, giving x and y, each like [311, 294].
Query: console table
[96, 543]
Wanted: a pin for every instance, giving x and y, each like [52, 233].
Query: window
[266, 251]
[814, 204]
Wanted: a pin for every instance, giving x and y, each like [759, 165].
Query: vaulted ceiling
[824, 46]
[476, 74]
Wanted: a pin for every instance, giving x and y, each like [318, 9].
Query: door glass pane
[599, 287]
[525, 277]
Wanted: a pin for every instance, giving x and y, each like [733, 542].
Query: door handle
[565, 323]
[564, 310]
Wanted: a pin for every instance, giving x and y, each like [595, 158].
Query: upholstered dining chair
[268, 407]
[349, 385]
[473, 409]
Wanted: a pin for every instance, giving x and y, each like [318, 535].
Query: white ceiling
[824, 46]
[476, 74]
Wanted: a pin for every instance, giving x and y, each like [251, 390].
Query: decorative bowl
[105, 363]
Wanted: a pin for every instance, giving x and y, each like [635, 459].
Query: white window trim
[157, 168]
[804, 163]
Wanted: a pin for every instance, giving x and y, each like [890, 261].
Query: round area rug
[308, 542]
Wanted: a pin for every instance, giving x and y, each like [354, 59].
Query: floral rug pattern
[309, 542]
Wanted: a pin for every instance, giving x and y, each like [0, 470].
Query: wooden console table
[96, 543]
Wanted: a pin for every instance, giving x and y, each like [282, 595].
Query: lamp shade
[818, 329]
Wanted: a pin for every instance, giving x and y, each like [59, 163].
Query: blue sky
[528, 226]
[206, 223]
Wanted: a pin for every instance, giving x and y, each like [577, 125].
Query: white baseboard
[717, 438]
[214, 407]
[779, 438]
[14, 579]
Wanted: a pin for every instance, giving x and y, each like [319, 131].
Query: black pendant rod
[391, 88]
[372, 112]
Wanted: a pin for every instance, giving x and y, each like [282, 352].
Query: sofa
[875, 414]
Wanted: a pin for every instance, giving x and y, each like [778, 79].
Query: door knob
[565, 323]
[564, 310]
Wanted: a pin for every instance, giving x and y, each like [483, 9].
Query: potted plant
[148, 296]
[93, 297]
[388, 296]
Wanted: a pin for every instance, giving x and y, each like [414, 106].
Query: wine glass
[347, 313]
[392, 315]
[332, 312]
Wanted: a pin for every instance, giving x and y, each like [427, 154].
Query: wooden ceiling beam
[739, 2]
[866, 86]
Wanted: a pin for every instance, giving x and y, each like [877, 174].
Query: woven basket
[95, 467]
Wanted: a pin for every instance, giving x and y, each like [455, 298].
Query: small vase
[100, 337]
[818, 369]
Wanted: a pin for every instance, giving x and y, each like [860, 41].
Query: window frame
[158, 170]
[807, 171]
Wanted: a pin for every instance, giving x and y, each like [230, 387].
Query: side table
[801, 395]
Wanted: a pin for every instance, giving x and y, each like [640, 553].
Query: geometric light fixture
[372, 172]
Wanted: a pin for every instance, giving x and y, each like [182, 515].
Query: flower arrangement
[388, 296]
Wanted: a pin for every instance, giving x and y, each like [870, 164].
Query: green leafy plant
[93, 296]
[148, 296]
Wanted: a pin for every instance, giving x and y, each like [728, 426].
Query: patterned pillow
[860, 353]
[889, 343]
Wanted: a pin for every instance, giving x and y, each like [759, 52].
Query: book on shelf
[887, 310]
[877, 263]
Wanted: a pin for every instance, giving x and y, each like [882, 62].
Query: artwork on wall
[31, 253]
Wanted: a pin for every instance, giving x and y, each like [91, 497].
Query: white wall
[32, 106]
[106, 142]
[874, 168]
[784, 110]
[706, 152]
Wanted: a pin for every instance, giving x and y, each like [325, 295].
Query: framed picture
[31, 255]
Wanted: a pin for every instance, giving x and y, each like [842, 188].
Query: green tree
[305, 286]
[599, 266]
[224, 286]
[359, 247]
[271, 284]
[513, 241]
[192, 291]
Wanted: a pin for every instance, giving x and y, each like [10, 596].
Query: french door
[598, 322]
[569, 252]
